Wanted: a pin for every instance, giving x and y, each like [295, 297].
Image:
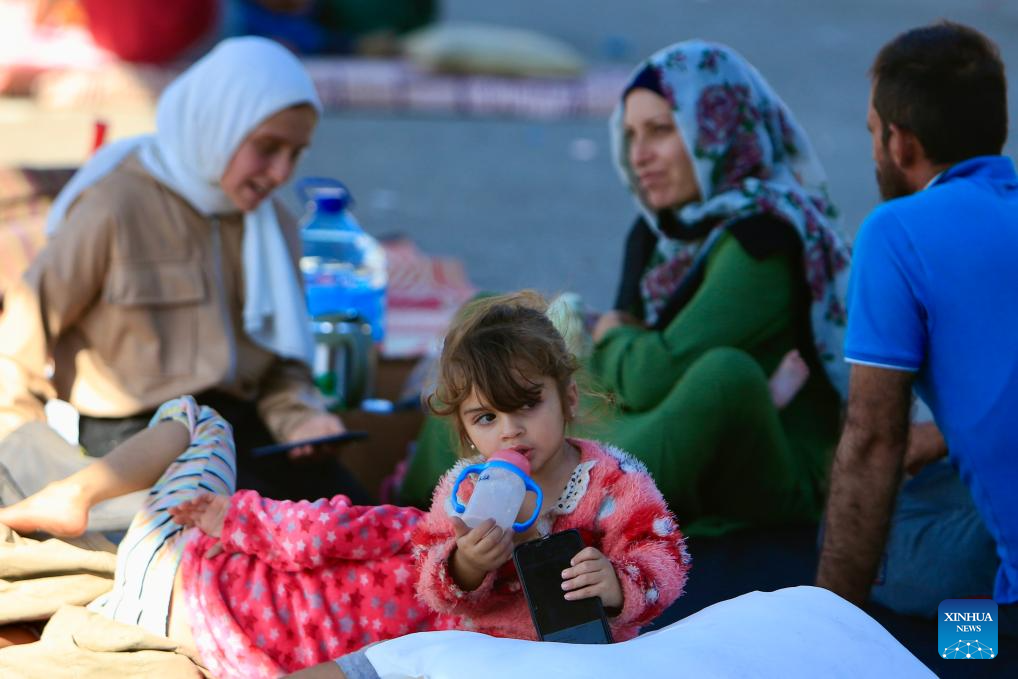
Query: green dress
[692, 402]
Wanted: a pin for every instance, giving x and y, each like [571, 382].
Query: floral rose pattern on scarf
[726, 118]
[749, 156]
[662, 278]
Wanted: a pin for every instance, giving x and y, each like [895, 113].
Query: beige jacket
[136, 300]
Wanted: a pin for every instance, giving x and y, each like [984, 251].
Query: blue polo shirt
[934, 291]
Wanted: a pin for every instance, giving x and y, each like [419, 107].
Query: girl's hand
[592, 574]
[479, 551]
[205, 510]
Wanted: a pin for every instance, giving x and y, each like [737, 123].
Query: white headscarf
[201, 119]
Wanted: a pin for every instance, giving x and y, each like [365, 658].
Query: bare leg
[61, 508]
[788, 379]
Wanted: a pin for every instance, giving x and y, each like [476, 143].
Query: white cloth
[201, 119]
[794, 632]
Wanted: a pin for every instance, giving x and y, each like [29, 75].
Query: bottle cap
[512, 457]
[331, 199]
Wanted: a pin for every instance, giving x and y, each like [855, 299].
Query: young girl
[265, 587]
[506, 380]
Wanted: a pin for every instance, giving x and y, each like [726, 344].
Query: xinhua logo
[967, 629]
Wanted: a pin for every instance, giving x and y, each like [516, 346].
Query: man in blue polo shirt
[933, 305]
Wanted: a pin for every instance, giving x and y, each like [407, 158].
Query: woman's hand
[610, 320]
[316, 426]
[925, 445]
[479, 551]
[592, 574]
[205, 510]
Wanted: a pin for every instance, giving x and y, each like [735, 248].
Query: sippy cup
[502, 482]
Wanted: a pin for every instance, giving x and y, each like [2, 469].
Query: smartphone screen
[539, 564]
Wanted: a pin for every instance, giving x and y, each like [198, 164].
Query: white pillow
[494, 50]
[794, 632]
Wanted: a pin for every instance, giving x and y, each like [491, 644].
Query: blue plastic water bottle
[343, 267]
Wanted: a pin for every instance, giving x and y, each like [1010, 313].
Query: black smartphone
[539, 564]
[345, 437]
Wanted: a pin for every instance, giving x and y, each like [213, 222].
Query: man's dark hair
[945, 83]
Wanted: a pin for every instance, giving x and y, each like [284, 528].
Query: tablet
[345, 437]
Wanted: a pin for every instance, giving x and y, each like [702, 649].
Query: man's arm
[864, 480]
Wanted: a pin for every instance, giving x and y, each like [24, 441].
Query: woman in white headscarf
[170, 271]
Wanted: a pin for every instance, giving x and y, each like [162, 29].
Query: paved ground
[538, 203]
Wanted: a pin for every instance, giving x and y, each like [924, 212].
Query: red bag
[151, 31]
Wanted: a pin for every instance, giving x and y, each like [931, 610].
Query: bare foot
[788, 379]
[59, 509]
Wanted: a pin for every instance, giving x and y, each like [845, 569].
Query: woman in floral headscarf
[732, 264]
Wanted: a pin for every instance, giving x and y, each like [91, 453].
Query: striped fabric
[425, 291]
[148, 556]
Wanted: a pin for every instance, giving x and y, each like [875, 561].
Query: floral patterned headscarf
[750, 156]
